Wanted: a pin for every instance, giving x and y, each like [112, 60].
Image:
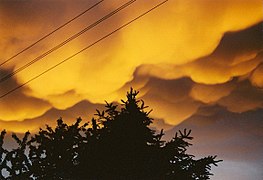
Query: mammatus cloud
[226, 127]
[198, 64]
[178, 40]
[234, 137]
[176, 105]
[244, 98]
[83, 109]
[19, 106]
[256, 77]
[210, 94]
[237, 54]
[226, 77]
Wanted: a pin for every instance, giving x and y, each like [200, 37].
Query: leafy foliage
[15, 162]
[118, 144]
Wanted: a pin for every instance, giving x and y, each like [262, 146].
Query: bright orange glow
[173, 42]
[211, 93]
[257, 75]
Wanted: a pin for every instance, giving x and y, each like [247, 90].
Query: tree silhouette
[54, 153]
[15, 162]
[118, 144]
[3, 153]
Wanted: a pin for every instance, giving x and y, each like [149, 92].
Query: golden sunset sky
[196, 63]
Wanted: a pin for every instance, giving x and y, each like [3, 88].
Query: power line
[67, 41]
[52, 32]
[82, 50]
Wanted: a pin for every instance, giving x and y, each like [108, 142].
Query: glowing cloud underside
[209, 52]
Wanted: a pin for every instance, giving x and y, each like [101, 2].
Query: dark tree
[54, 153]
[118, 144]
[3, 153]
[16, 162]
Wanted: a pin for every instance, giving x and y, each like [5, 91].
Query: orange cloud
[83, 109]
[211, 93]
[169, 99]
[18, 106]
[256, 77]
[237, 55]
[180, 39]
[244, 98]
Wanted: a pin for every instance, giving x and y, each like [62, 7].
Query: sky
[197, 64]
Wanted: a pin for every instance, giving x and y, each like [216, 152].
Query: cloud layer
[198, 64]
[179, 57]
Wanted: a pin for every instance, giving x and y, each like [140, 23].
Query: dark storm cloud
[234, 137]
[28, 12]
[18, 104]
[245, 97]
[231, 136]
[220, 78]
[237, 43]
[238, 54]
[170, 99]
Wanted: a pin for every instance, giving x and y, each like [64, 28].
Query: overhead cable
[84, 49]
[6, 77]
[49, 34]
